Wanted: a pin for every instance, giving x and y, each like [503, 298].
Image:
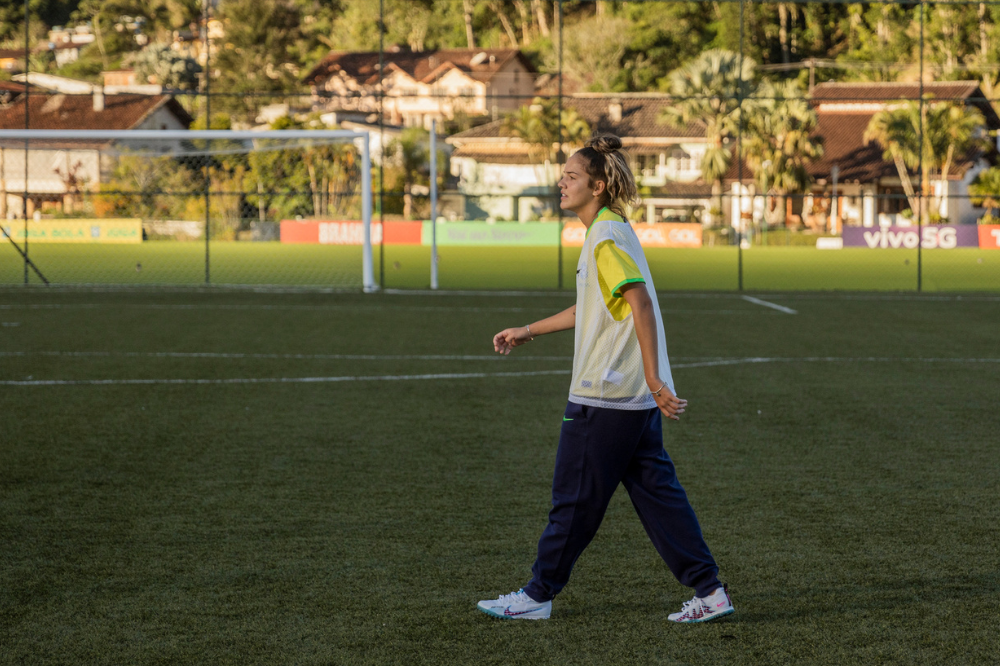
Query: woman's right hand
[509, 338]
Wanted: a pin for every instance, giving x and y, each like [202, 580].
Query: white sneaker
[516, 606]
[703, 609]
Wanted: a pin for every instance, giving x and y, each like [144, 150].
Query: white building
[502, 178]
[869, 191]
[421, 86]
[58, 170]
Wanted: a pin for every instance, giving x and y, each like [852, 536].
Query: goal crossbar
[367, 263]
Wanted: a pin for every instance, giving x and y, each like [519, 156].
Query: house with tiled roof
[500, 179]
[58, 169]
[869, 191]
[417, 87]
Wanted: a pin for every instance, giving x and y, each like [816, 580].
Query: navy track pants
[598, 449]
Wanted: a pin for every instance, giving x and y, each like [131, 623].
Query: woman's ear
[599, 187]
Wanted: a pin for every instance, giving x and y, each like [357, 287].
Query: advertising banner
[76, 231]
[544, 234]
[932, 236]
[529, 234]
[989, 236]
[669, 234]
[348, 232]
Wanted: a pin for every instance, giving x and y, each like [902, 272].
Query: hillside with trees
[607, 46]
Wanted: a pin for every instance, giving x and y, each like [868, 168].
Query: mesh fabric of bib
[607, 362]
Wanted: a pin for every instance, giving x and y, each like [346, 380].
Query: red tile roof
[842, 128]
[121, 112]
[880, 92]
[425, 66]
[639, 119]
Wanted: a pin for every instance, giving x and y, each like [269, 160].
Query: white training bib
[607, 361]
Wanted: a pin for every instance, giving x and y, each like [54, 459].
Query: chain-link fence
[781, 145]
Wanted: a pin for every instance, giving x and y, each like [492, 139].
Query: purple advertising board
[932, 236]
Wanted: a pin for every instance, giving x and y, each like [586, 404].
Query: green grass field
[408, 267]
[843, 462]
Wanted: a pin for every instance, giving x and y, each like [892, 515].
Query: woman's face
[575, 188]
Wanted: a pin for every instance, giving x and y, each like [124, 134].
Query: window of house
[680, 160]
[645, 165]
[892, 201]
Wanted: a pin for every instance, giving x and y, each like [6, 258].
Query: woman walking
[621, 386]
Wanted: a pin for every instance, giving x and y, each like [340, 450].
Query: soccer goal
[288, 208]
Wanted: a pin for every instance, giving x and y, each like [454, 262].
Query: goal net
[176, 207]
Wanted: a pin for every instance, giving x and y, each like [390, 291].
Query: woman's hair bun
[604, 143]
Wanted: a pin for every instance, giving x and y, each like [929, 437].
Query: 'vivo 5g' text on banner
[667, 234]
[76, 231]
[932, 236]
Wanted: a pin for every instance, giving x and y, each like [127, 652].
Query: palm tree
[897, 131]
[948, 129]
[953, 129]
[412, 148]
[537, 126]
[708, 90]
[985, 190]
[777, 144]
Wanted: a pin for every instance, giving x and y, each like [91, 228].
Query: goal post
[187, 185]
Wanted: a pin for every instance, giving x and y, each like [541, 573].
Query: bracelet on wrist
[657, 391]
[530, 336]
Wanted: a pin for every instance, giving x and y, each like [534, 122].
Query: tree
[411, 155]
[778, 145]
[948, 129]
[897, 130]
[953, 129]
[252, 64]
[879, 34]
[145, 187]
[470, 35]
[660, 34]
[160, 64]
[985, 190]
[589, 56]
[546, 131]
[708, 90]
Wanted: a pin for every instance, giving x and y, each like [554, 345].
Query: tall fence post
[208, 126]
[27, 125]
[434, 206]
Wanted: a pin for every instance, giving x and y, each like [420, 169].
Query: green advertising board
[537, 234]
[76, 231]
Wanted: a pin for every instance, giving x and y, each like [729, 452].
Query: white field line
[248, 307]
[769, 304]
[679, 361]
[322, 308]
[276, 380]
[834, 295]
[474, 375]
[829, 359]
[319, 357]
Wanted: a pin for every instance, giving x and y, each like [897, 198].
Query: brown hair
[608, 163]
